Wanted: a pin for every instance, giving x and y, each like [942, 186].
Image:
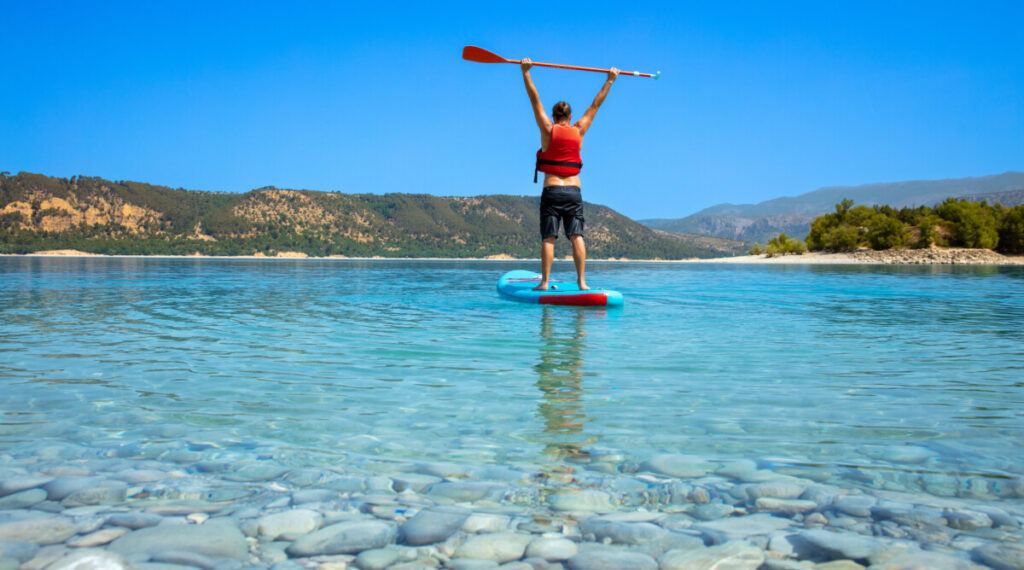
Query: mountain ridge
[793, 214]
[91, 214]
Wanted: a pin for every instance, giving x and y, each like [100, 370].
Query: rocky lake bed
[166, 507]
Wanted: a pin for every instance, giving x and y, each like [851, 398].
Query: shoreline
[933, 256]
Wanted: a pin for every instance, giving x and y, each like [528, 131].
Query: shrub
[1011, 230]
[975, 223]
[756, 250]
[885, 232]
[841, 238]
[782, 245]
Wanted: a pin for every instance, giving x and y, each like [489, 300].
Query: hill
[793, 215]
[90, 214]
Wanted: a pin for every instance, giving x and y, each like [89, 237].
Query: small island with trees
[955, 223]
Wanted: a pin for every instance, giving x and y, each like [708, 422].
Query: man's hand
[613, 74]
[526, 64]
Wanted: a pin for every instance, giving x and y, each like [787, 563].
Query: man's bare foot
[583, 285]
[544, 287]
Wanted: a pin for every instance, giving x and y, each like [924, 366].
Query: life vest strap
[546, 162]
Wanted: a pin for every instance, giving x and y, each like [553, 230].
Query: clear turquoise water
[867, 376]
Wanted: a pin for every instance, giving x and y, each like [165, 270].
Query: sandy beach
[933, 256]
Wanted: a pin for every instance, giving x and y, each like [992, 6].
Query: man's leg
[547, 257]
[579, 257]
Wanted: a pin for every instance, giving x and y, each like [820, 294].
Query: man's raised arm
[584, 123]
[543, 122]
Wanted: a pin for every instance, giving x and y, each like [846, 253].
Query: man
[559, 160]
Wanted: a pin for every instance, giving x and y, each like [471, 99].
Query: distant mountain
[38, 212]
[793, 215]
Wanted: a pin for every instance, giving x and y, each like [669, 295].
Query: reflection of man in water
[560, 379]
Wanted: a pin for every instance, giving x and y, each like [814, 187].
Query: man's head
[561, 112]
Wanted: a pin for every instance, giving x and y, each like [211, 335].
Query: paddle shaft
[480, 55]
[579, 68]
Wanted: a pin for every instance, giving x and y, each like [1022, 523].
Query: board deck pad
[518, 285]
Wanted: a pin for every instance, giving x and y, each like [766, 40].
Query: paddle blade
[480, 55]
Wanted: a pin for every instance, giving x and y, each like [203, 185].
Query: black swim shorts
[561, 204]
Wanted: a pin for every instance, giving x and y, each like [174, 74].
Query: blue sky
[756, 100]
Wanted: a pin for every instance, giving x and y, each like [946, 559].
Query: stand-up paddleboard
[518, 285]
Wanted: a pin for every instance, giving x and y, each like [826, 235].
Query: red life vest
[562, 158]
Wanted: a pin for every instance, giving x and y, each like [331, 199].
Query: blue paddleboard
[518, 285]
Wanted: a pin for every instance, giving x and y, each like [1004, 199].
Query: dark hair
[561, 111]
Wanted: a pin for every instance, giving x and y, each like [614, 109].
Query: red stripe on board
[581, 300]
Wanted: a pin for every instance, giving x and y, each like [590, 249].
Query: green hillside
[89, 214]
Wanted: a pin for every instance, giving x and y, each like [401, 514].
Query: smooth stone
[346, 484]
[999, 516]
[541, 564]
[305, 477]
[839, 565]
[611, 560]
[729, 556]
[184, 508]
[840, 545]
[736, 468]
[551, 549]
[445, 470]
[485, 522]
[967, 520]
[90, 559]
[98, 538]
[678, 465]
[416, 482]
[313, 496]
[134, 520]
[784, 506]
[253, 473]
[19, 550]
[46, 556]
[289, 523]
[631, 516]
[462, 491]
[472, 564]
[432, 525]
[736, 528]
[776, 490]
[184, 559]
[915, 560]
[138, 476]
[214, 539]
[41, 530]
[1001, 556]
[581, 500]
[344, 538]
[116, 492]
[712, 511]
[856, 505]
[815, 519]
[901, 453]
[622, 533]
[500, 547]
[61, 487]
[18, 483]
[377, 558]
[23, 499]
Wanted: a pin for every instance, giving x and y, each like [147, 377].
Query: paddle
[480, 55]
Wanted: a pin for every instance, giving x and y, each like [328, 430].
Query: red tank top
[562, 158]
